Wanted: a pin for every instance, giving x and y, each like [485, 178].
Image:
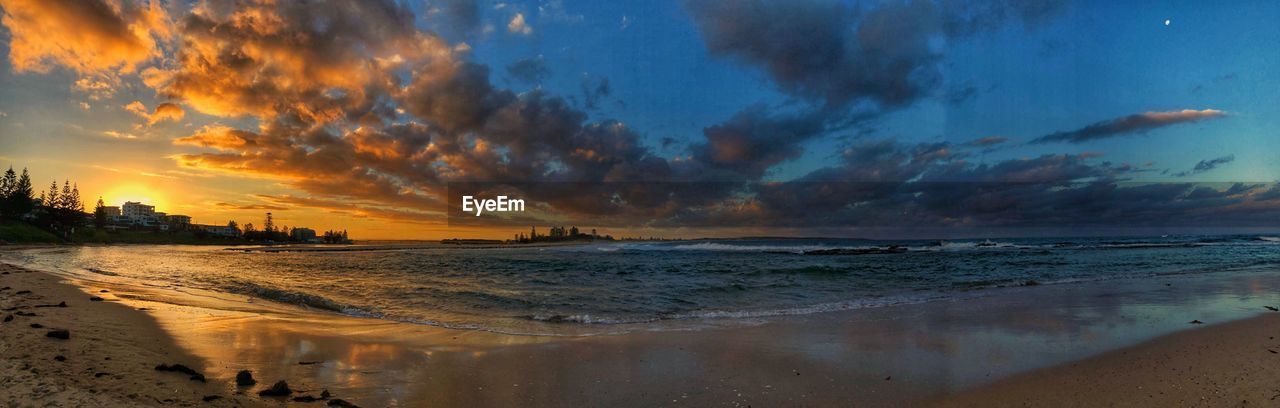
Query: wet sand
[1230, 364]
[1017, 346]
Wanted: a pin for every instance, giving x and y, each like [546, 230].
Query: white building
[138, 213]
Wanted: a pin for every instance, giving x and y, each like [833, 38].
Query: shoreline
[871, 357]
[108, 359]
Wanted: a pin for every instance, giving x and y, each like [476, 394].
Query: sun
[136, 192]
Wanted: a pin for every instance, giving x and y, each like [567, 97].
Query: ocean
[609, 288]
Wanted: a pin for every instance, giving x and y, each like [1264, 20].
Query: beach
[1129, 342]
[108, 358]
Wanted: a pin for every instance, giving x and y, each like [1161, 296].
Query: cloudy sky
[676, 118]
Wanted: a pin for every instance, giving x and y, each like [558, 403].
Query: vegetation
[58, 216]
[16, 232]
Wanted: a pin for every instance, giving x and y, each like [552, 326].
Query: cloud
[517, 25]
[119, 135]
[1207, 165]
[989, 141]
[166, 111]
[137, 108]
[231, 206]
[1133, 124]
[878, 57]
[370, 114]
[86, 36]
[455, 17]
[529, 70]
[554, 10]
[97, 87]
[755, 139]
[270, 60]
[594, 90]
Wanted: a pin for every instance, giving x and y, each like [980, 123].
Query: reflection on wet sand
[872, 356]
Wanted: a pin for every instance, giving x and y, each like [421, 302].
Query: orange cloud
[166, 111]
[218, 137]
[84, 35]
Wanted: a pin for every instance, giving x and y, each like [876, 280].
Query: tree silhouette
[22, 194]
[8, 198]
[7, 183]
[100, 214]
[51, 198]
[64, 199]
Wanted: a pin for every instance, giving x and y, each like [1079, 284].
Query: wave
[101, 271]
[719, 247]
[296, 298]
[584, 319]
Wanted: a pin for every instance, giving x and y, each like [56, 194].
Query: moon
[1167, 22]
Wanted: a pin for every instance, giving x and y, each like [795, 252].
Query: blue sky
[1095, 61]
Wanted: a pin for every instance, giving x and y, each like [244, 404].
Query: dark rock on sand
[95, 299]
[8, 318]
[179, 368]
[59, 358]
[100, 375]
[324, 394]
[309, 362]
[1031, 283]
[339, 402]
[1272, 308]
[104, 291]
[210, 398]
[244, 378]
[60, 304]
[22, 292]
[37, 326]
[306, 398]
[59, 334]
[26, 314]
[1196, 322]
[279, 389]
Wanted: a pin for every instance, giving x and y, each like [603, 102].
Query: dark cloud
[1133, 124]
[882, 55]
[594, 90]
[1207, 165]
[755, 139]
[989, 141]
[529, 70]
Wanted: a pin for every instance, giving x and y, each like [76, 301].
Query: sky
[667, 118]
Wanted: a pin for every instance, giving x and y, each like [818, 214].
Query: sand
[1079, 345]
[1228, 364]
[109, 358]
